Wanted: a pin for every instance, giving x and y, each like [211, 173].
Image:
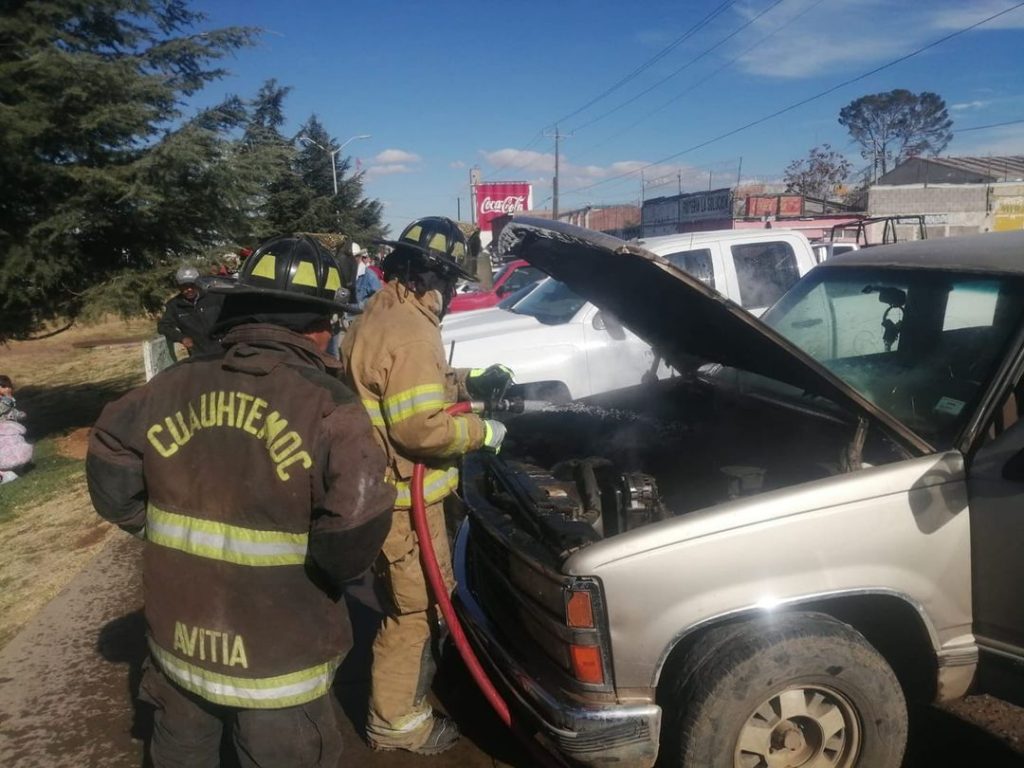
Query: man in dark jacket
[190, 316]
[255, 479]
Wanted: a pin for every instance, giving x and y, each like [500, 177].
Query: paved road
[67, 683]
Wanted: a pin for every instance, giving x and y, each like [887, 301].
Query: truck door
[996, 493]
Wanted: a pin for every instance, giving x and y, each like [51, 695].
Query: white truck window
[696, 262]
[764, 271]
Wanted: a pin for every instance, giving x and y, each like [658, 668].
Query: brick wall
[950, 209]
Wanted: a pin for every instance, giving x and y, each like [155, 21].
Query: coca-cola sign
[509, 204]
[496, 198]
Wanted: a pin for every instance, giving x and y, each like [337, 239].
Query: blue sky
[442, 86]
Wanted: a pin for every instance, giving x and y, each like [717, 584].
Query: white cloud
[456, 164]
[390, 162]
[966, 105]
[666, 179]
[520, 160]
[388, 169]
[391, 156]
[960, 15]
[807, 38]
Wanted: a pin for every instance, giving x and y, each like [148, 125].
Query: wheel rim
[805, 726]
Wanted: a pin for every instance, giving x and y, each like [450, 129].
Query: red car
[513, 276]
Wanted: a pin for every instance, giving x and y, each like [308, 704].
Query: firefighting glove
[494, 434]
[484, 383]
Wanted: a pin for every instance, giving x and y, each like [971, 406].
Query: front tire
[799, 691]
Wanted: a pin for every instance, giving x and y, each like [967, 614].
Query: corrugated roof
[999, 168]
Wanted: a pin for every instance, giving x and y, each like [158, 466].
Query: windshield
[551, 302]
[514, 298]
[921, 344]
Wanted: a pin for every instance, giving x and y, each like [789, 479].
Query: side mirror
[504, 289]
[605, 321]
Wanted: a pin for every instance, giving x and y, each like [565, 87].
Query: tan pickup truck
[760, 562]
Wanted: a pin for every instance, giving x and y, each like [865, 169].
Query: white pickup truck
[563, 347]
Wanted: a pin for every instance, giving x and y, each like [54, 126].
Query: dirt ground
[71, 636]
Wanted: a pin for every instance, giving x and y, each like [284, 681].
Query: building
[955, 195]
[744, 207]
[619, 220]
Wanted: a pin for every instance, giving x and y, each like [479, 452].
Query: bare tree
[819, 175]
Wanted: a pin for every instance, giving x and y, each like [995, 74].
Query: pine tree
[306, 202]
[102, 176]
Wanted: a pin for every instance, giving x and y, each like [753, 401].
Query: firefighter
[395, 363]
[256, 481]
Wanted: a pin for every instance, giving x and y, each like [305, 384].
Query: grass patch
[51, 475]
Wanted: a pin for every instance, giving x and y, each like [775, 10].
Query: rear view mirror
[888, 295]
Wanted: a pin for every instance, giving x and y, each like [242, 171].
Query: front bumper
[609, 735]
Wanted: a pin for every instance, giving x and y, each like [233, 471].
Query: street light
[333, 152]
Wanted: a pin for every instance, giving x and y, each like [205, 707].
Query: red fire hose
[437, 586]
[428, 558]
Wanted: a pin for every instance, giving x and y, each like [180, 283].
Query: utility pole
[739, 172]
[554, 181]
[474, 182]
[679, 179]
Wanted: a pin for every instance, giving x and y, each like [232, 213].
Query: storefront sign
[699, 206]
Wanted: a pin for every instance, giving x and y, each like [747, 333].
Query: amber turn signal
[586, 663]
[579, 613]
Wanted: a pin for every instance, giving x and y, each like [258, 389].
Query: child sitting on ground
[15, 451]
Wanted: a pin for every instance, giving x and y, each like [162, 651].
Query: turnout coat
[256, 480]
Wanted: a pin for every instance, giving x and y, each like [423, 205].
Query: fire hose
[432, 569]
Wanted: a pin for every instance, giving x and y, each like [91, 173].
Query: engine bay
[588, 471]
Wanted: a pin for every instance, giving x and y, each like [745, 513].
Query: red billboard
[496, 198]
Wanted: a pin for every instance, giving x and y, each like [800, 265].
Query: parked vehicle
[564, 347]
[825, 251]
[514, 275]
[761, 561]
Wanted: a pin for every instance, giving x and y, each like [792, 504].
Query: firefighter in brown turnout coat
[395, 363]
[257, 483]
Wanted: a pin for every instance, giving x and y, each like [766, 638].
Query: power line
[689, 63]
[991, 125]
[808, 100]
[653, 60]
[720, 9]
[707, 77]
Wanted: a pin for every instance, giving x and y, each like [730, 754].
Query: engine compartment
[638, 456]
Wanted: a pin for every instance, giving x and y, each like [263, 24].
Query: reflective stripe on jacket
[395, 362]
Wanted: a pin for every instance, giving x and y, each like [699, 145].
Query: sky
[650, 98]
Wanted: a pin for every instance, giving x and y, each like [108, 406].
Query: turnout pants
[403, 664]
[187, 730]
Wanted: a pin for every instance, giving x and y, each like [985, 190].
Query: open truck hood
[677, 314]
